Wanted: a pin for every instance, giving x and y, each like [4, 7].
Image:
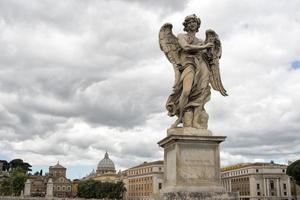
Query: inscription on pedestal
[197, 165]
[192, 168]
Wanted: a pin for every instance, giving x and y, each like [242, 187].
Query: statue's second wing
[169, 45]
[212, 57]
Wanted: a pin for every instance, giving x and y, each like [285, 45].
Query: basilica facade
[106, 171]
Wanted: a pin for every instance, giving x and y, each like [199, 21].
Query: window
[283, 170]
[257, 186]
[159, 186]
[272, 185]
[284, 186]
[258, 193]
[272, 194]
[257, 170]
[285, 193]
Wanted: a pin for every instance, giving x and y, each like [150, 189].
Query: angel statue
[196, 66]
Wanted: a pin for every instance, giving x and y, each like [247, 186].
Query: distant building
[74, 188]
[105, 172]
[258, 181]
[61, 185]
[144, 181]
[38, 185]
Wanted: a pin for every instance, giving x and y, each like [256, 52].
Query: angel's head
[191, 23]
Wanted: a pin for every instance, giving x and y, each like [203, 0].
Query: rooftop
[144, 164]
[57, 166]
[106, 164]
[256, 164]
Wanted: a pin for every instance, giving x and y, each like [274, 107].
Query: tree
[14, 184]
[86, 189]
[119, 190]
[293, 170]
[18, 178]
[97, 189]
[5, 187]
[19, 163]
[5, 164]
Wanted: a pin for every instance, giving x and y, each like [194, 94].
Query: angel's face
[192, 26]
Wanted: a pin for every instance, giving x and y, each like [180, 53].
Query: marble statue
[196, 66]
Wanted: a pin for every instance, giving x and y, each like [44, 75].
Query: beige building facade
[38, 185]
[258, 181]
[55, 180]
[61, 185]
[144, 181]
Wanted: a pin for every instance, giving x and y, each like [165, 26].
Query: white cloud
[80, 78]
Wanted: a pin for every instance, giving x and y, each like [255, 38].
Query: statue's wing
[169, 45]
[212, 57]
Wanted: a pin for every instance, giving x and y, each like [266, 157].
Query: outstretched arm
[191, 47]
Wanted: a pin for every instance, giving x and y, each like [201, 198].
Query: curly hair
[190, 18]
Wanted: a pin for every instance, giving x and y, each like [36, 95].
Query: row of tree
[99, 190]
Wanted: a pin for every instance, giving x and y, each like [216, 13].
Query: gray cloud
[69, 63]
[163, 6]
[81, 77]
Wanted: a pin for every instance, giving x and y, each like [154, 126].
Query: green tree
[86, 189]
[5, 187]
[119, 190]
[18, 178]
[97, 189]
[5, 165]
[19, 163]
[293, 170]
[14, 184]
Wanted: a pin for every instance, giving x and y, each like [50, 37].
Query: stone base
[200, 196]
[191, 160]
[188, 131]
[192, 165]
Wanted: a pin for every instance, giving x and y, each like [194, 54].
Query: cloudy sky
[79, 77]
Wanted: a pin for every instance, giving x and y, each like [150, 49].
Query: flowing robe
[192, 63]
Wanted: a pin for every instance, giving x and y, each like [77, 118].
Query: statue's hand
[209, 45]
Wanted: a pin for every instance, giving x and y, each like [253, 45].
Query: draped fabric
[192, 64]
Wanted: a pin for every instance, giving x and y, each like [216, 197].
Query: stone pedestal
[192, 165]
[27, 188]
[49, 192]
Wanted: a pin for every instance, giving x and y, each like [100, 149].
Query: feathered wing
[212, 57]
[169, 45]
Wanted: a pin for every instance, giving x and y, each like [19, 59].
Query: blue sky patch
[2, 157]
[73, 172]
[296, 64]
